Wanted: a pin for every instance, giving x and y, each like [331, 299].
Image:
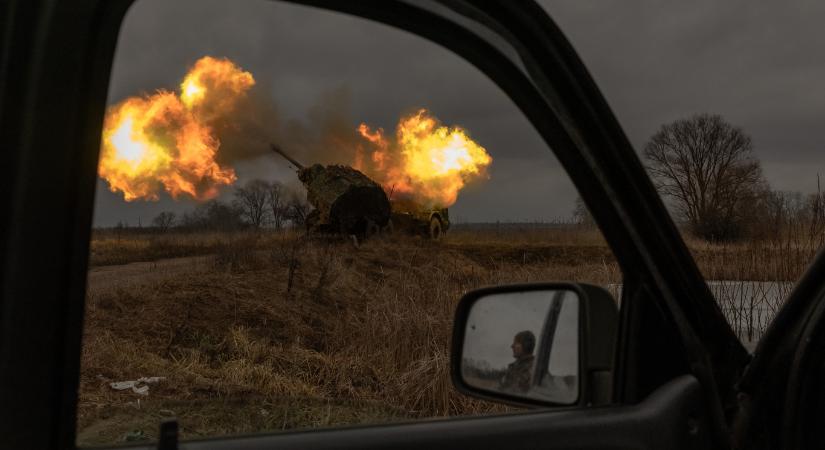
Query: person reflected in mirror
[519, 373]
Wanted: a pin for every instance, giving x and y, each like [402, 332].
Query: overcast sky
[758, 65]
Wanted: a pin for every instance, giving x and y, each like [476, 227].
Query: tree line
[256, 204]
[707, 173]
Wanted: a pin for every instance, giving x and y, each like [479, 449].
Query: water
[749, 306]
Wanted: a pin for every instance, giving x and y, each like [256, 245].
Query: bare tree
[773, 212]
[581, 215]
[275, 197]
[223, 216]
[816, 208]
[297, 210]
[213, 215]
[707, 167]
[252, 198]
[164, 221]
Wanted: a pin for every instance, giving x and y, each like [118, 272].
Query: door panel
[673, 417]
[781, 395]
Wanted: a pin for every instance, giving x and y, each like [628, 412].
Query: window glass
[237, 292]
[723, 103]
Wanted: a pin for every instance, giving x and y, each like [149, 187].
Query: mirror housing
[597, 328]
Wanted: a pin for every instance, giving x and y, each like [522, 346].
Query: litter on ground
[139, 386]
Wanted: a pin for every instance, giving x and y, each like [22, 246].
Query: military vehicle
[348, 202]
[345, 200]
[414, 218]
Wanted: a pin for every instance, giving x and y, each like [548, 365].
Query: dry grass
[288, 332]
[112, 248]
[769, 269]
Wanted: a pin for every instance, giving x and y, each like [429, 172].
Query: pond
[749, 306]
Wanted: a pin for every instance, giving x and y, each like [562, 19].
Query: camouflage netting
[345, 198]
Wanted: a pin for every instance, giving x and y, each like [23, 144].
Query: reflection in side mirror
[524, 344]
[536, 344]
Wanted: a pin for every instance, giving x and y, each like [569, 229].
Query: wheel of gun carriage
[435, 229]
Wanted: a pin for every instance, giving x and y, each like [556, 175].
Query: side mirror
[544, 344]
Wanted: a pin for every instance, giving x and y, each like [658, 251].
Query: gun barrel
[278, 150]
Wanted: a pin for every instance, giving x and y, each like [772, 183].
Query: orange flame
[165, 141]
[429, 163]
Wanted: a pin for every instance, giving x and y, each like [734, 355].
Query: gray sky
[756, 64]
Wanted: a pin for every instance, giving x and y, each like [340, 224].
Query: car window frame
[639, 232]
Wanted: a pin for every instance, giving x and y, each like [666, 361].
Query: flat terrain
[107, 278]
[274, 331]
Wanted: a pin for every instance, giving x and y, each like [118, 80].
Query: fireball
[164, 141]
[428, 162]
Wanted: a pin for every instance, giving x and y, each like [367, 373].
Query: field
[274, 330]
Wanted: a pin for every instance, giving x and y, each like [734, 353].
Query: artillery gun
[415, 218]
[345, 200]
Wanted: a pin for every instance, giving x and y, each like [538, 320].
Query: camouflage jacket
[518, 375]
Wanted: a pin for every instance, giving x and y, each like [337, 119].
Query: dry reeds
[279, 330]
[284, 331]
[751, 279]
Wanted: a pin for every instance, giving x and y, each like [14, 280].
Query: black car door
[677, 359]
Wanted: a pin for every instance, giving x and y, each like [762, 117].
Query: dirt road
[123, 276]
